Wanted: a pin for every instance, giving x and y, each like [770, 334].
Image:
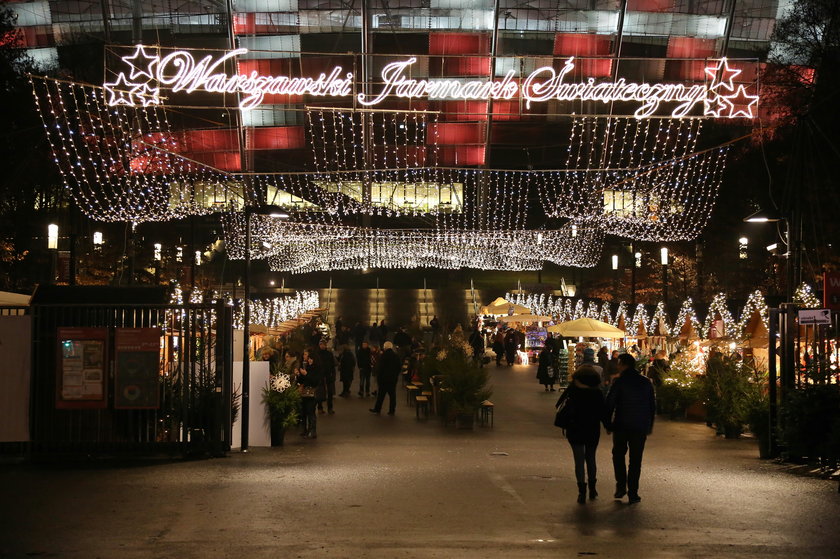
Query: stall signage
[140, 80]
[81, 374]
[137, 368]
[814, 317]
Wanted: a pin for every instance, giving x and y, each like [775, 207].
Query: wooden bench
[422, 404]
[410, 393]
[485, 413]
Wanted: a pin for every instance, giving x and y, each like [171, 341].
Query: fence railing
[195, 401]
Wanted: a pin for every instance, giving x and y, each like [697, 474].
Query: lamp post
[615, 272]
[637, 263]
[52, 245]
[275, 212]
[663, 257]
[762, 216]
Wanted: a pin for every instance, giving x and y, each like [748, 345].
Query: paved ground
[394, 487]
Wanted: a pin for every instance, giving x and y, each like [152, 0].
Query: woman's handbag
[565, 414]
[306, 391]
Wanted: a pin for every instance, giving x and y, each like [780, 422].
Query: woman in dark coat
[584, 432]
[546, 371]
[311, 378]
[510, 347]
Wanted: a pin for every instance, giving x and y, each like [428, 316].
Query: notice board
[137, 368]
[81, 374]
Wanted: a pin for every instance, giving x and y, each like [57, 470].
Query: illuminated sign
[140, 83]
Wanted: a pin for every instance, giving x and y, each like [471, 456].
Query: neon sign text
[180, 72]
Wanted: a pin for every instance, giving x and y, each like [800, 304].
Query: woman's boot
[592, 492]
[581, 493]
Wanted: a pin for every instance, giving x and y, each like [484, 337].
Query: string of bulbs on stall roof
[620, 312]
[718, 308]
[687, 314]
[660, 317]
[755, 303]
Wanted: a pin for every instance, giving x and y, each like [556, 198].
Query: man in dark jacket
[388, 369]
[347, 366]
[327, 359]
[631, 408]
[363, 360]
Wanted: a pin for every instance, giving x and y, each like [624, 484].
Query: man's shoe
[360, 394]
[390, 413]
[581, 494]
[635, 499]
[593, 494]
[620, 492]
[374, 411]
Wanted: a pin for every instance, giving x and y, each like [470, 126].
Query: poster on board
[137, 368]
[81, 374]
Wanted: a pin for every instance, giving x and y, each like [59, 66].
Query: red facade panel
[688, 47]
[461, 155]
[459, 43]
[466, 66]
[650, 5]
[276, 137]
[456, 133]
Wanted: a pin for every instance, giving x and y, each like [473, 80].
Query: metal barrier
[798, 354]
[196, 398]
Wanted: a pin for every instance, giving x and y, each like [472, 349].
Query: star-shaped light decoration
[714, 106]
[741, 103]
[146, 94]
[120, 91]
[141, 63]
[722, 75]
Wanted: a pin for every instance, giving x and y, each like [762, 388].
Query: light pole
[278, 213]
[615, 273]
[663, 257]
[52, 245]
[770, 216]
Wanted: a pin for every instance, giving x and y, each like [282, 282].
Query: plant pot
[464, 420]
[278, 435]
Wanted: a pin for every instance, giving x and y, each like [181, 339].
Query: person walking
[476, 341]
[589, 360]
[584, 431]
[499, 347]
[387, 373]
[545, 369]
[603, 358]
[327, 359]
[359, 332]
[310, 379]
[374, 335]
[363, 360]
[510, 346]
[346, 366]
[630, 411]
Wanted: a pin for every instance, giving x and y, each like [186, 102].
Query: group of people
[627, 412]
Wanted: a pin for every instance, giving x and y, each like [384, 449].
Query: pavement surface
[394, 487]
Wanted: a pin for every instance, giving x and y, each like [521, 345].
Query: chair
[422, 404]
[410, 393]
[485, 413]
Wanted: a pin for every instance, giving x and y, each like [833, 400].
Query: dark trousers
[389, 389]
[310, 418]
[584, 453]
[364, 381]
[345, 386]
[628, 476]
[330, 397]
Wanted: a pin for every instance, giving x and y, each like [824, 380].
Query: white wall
[259, 432]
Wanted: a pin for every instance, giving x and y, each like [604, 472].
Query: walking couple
[627, 414]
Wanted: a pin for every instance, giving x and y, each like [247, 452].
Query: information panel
[137, 368]
[81, 372]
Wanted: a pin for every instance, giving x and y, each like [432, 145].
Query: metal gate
[196, 400]
[798, 355]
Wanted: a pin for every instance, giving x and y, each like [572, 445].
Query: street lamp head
[52, 236]
[763, 216]
[663, 256]
[615, 262]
